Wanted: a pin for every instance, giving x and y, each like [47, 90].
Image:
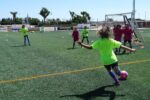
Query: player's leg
[83, 39]
[119, 50]
[116, 51]
[24, 40]
[28, 40]
[87, 40]
[116, 68]
[124, 51]
[73, 44]
[112, 74]
[130, 43]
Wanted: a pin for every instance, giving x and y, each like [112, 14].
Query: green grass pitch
[47, 70]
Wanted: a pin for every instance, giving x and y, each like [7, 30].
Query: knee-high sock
[117, 70]
[112, 74]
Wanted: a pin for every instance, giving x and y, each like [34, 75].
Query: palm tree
[72, 14]
[44, 13]
[14, 16]
[86, 16]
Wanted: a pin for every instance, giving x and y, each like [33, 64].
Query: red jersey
[117, 34]
[127, 34]
[75, 35]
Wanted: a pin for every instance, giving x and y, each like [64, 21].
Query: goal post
[123, 19]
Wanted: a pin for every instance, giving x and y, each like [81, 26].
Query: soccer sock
[73, 44]
[112, 74]
[117, 70]
[24, 40]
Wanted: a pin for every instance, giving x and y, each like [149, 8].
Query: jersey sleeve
[116, 44]
[87, 31]
[82, 32]
[27, 30]
[95, 45]
[72, 33]
[20, 30]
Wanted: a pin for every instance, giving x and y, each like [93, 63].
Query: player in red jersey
[117, 36]
[75, 36]
[127, 36]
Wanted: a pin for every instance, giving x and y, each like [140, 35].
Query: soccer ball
[124, 75]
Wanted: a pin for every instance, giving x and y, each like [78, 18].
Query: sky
[60, 8]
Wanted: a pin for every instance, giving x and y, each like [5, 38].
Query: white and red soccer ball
[124, 75]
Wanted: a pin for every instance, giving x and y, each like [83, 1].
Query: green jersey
[85, 32]
[105, 48]
[24, 31]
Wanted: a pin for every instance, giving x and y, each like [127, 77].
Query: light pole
[133, 16]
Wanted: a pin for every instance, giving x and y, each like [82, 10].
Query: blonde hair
[104, 32]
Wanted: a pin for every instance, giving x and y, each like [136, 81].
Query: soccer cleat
[123, 52]
[117, 83]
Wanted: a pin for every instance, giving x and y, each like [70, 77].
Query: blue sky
[60, 8]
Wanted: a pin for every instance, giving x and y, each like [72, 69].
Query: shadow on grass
[71, 48]
[18, 46]
[100, 92]
[122, 54]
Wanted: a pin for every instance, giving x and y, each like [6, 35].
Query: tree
[34, 21]
[78, 19]
[72, 14]
[58, 20]
[18, 21]
[44, 13]
[14, 16]
[86, 16]
[83, 18]
[6, 21]
[3, 21]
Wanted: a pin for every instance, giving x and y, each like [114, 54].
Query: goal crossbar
[120, 14]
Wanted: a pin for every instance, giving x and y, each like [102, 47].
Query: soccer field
[48, 70]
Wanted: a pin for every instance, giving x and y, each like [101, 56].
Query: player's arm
[84, 45]
[127, 48]
[20, 30]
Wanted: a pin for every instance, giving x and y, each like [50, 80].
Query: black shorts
[25, 35]
[85, 36]
[129, 41]
[111, 66]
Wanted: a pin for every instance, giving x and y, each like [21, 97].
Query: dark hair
[118, 26]
[127, 25]
[104, 32]
[23, 26]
